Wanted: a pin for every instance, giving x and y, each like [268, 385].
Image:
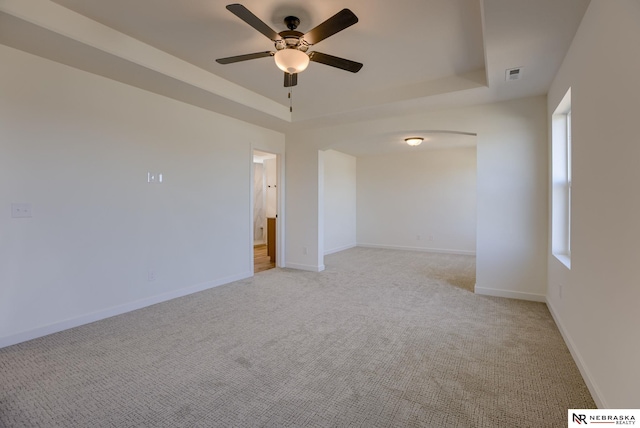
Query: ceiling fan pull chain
[290, 99]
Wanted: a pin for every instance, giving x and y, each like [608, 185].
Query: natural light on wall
[561, 181]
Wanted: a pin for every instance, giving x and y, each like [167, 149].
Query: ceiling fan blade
[338, 22]
[290, 79]
[245, 14]
[238, 58]
[334, 61]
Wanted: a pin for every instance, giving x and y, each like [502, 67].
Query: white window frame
[561, 173]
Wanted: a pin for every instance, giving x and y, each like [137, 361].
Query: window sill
[565, 259]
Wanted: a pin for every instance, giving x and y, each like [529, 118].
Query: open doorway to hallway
[264, 210]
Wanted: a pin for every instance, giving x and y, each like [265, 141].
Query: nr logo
[580, 419]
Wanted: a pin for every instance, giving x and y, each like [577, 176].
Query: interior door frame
[280, 212]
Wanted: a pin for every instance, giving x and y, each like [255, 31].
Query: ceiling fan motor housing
[291, 40]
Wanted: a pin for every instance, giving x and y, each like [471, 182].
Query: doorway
[265, 202]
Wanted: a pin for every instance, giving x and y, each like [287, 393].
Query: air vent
[513, 74]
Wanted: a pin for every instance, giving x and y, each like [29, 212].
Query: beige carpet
[380, 339]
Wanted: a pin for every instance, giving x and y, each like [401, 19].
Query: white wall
[78, 148]
[304, 247]
[512, 181]
[271, 177]
[424, 200]
[339, 201]
[259, 209]
[512, 199]
[597, 310]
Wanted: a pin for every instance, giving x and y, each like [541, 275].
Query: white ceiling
[416, 53]
[384, 143]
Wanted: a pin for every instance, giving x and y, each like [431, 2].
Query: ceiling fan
[291, 46]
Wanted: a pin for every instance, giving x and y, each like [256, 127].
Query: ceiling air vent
[513, 74]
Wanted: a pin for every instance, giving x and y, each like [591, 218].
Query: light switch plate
[154, 177]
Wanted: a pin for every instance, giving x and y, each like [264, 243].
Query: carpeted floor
[379, 339]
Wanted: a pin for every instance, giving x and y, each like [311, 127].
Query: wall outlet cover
[21, 210]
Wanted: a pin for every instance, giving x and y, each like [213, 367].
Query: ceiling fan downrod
[292, 22]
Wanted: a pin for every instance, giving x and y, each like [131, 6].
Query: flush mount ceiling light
[291, 60]
[414, 141]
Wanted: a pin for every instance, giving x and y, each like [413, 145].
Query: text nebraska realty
[606, 419]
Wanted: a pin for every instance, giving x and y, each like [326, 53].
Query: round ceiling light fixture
[291, 60]
[414, 141]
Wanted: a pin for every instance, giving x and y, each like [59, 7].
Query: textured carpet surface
[381, 338]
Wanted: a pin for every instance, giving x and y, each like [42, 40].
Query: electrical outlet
[418, 237]
[430, 238]
[304, 250]
[151, 275]
[21, 210]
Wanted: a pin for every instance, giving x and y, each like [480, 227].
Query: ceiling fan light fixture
[414, 141]
[291, 60]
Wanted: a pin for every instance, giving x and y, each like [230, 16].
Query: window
[568, 185]
[561, 181]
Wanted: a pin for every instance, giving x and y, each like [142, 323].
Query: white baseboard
[337, 250]
[584, 371]
[423, 249]
[310, 268]
[116, 310]
[509, 294]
